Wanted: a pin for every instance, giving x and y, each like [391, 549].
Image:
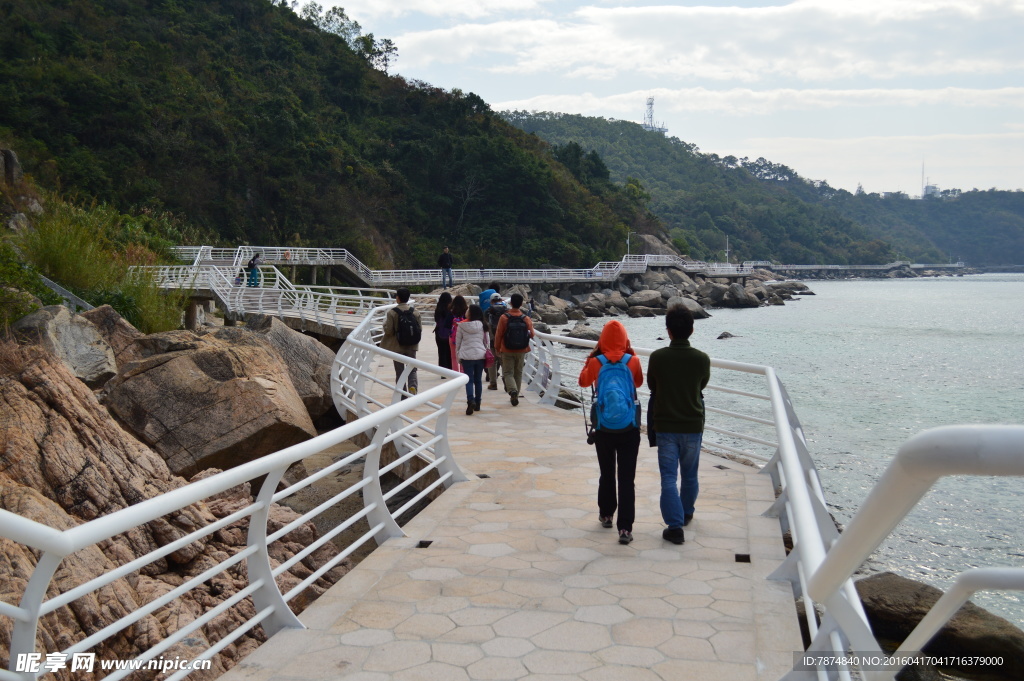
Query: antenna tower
[649, 124]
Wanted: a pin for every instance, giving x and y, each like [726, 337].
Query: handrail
[417, 418]
[821, 563]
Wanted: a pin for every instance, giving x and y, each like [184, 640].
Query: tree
[379, 54]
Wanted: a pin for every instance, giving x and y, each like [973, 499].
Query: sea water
[868, 364]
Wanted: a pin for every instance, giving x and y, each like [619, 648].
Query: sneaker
[514, 398]
[625, 536]
[476, 406]
[687, 518]
[674, 535]
[606, 521]
[469, 409]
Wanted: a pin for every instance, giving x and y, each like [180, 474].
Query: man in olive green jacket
[677, 375]
[391, 340]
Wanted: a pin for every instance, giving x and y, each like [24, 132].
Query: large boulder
[738, 296]
[71, 338]
[895, 605]
[713, 292]
[308, 361]
[552, 315]
[207, 402]
[646, 299]
[616, 299]
[560, 304]
[655, 279]
[583, 332]
[66, 461]
[641, 311]
[681, 279]
[119, 334]
[690, 304]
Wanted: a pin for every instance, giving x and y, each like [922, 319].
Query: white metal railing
[603, 271]
[335, 306]
[415, 424]
[821, 563]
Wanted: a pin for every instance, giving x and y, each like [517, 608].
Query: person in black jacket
[445, 263]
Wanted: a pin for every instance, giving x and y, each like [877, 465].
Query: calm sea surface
[869, 364]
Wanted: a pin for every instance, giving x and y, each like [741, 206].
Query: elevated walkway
[510, 576]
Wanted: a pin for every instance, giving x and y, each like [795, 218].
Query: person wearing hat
[495, 308]
[485, 297]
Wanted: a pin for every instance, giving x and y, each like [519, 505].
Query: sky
[851, 92]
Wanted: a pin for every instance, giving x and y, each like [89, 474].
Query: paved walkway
[520, 581]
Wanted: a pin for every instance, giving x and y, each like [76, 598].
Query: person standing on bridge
[254, 270]
[445, 263]
[677, 376]
[617, 444]
[402, 331]
[512, 342]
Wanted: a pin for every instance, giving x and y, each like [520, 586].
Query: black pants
[621, 449]
[444, 353]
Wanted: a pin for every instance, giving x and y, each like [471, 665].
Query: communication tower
[649, 124]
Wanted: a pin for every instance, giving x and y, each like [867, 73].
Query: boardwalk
[519, 580]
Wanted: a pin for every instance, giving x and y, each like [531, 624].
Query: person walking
[485, 297]
[459, 310]
[677, 375]
[443, 329]
[445, 261]
[254, 270]
[402, 332]
[471, 342]
[493, 315]
[512, 342]
[614, 370]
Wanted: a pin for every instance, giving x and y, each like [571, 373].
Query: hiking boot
[687, 518]
[674, 535]
[606, 521]
[476, 406]
[469, 409]
[514, 398]
[625, 536]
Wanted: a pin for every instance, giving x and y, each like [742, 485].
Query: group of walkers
[676, 376]
[479, 338]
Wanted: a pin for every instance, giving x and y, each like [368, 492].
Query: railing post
[443, 448]
[373, 495]
[23, 634]
[258, 565]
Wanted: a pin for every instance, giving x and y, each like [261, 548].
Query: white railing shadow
[417, 425]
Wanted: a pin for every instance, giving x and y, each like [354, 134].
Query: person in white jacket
[471, 345]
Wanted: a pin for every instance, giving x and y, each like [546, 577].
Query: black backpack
[252, 264]
[409, 331]
[517, 333]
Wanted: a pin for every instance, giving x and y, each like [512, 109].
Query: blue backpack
[616, 408]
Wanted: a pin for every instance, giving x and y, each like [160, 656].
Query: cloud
[809, 40]
[469, 9]
[745, 101]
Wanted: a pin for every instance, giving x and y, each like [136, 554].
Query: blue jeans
[254, 277]
[678, 454]
[446, 272]
[474, 368]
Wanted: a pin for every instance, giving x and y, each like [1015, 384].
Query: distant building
[930, 190]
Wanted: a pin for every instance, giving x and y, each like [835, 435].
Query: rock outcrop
[66, 461]
[308, 361]
[71, 338]
[117, 332]
[895, 605]
[209, 400]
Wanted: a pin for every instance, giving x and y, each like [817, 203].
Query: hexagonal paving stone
[603, 614]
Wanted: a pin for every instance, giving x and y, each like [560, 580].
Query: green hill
[253, 123]
[770, 212]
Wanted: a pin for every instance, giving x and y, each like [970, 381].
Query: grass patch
[90, 250]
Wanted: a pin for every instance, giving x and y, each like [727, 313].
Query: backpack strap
[602, 359]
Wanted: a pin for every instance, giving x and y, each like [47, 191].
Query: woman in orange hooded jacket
[615, 449]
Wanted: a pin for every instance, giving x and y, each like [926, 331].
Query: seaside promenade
[510, 575]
